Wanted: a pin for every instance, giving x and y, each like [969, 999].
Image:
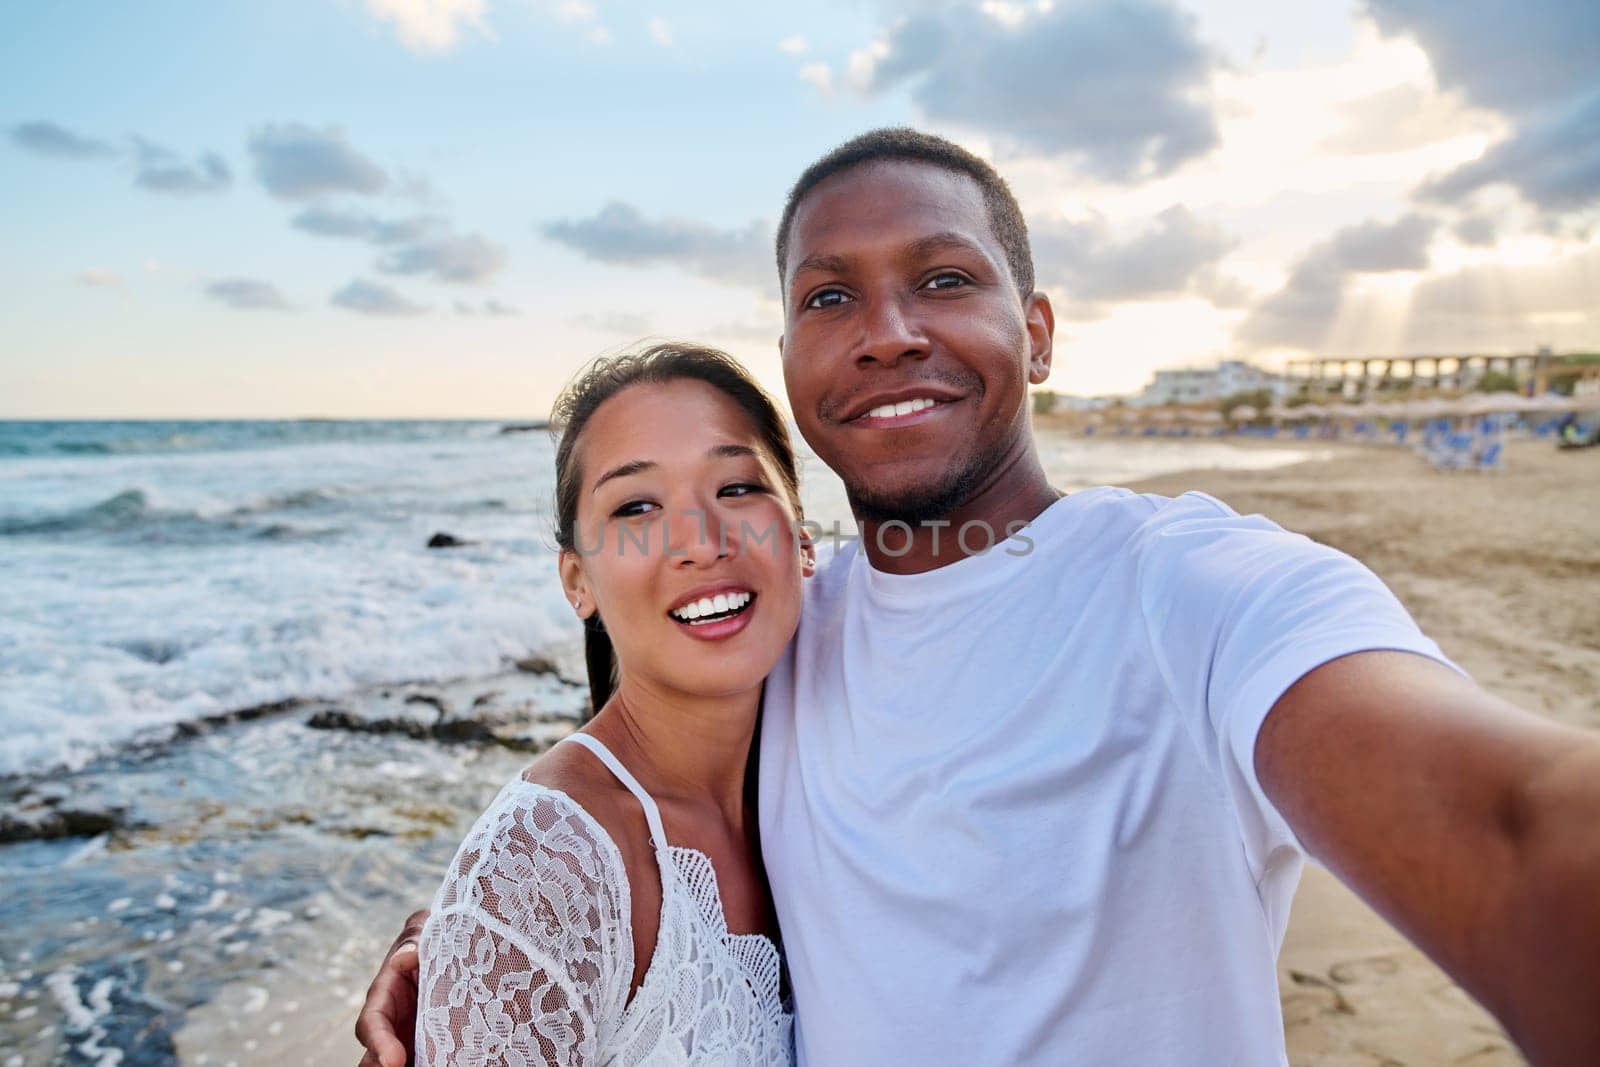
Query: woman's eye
[947, 280]
[827, 298]
[743, 489]
[632, 508]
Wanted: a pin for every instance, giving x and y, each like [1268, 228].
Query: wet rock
[339, 719]
[430, 700]
[537, 665]
[445, 540]
[50, 821]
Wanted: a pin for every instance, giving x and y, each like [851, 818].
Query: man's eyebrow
[639, 466]
[826, 264]
[935, 243]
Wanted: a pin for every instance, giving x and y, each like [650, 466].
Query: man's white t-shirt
[1009, 807]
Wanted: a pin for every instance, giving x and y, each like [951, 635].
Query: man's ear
[1041, 320]
[574, 584]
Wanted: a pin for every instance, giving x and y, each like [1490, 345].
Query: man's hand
[389, 1017]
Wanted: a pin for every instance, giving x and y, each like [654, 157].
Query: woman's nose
[698, 536]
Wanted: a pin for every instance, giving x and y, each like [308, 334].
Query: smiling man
[1048, 803]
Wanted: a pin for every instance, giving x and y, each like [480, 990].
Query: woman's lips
[717, 629]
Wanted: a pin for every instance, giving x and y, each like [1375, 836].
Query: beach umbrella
[1243, 413]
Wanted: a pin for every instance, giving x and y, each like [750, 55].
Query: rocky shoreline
[218, 893]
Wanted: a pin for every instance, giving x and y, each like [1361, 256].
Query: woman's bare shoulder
[575, 772]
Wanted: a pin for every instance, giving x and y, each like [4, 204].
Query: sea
[156, 573]
[241, 875]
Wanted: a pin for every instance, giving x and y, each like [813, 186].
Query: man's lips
[899, 404]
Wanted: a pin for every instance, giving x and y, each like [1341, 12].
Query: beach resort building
[1203, 385]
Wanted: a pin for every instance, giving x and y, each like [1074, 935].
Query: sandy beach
[1501, 570]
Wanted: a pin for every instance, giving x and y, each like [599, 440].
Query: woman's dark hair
[604, 379]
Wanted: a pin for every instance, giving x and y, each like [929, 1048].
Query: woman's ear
[808, 552]
[574, 584]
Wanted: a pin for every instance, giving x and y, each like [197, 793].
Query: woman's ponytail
[601, 660]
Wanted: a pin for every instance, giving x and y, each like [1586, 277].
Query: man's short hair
[901, 144]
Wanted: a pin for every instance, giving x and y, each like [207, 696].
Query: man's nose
[890, 332]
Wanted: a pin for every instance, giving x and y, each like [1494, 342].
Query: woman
[586, 918]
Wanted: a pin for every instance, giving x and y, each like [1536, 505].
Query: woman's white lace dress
[527, 958]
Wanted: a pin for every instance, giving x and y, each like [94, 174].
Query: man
[1039, 773]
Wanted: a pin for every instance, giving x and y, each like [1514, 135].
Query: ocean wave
[131, 511]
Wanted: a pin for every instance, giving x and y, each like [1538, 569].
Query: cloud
[296, 162]
[491, 307]
[630, 323]
[1121, 89]
[1505, 307]
[1300, 314]
[620, 234]
[1480, 231]
[581, 13]
[325, 221]
[819, 76]
[247, 294]
[1535, 67]
[660, 32]
[48, 139]
[99, 278]
[1554, 161]
[373, 298]
[1095, 264]
[794, 46]
[469, 258]
[160, 170]
[753, 331]
[431, 25]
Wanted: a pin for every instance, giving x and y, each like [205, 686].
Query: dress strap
[652, 814]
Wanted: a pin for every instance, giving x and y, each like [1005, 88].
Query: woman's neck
[693, 748]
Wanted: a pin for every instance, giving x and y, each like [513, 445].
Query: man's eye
[827, 298]
[947, 280]
[632, 509]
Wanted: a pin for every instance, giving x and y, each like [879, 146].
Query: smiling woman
[600, 884]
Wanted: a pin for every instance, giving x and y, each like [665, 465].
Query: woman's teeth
[711, 608]
[905, 407]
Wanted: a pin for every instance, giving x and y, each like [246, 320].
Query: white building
[1203, 385]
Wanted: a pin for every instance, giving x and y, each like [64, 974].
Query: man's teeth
[711, 606]
[905, 407]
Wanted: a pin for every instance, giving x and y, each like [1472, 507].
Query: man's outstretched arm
[1471, 825]
[388, 1020]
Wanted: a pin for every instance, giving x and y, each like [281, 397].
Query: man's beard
[918, 504]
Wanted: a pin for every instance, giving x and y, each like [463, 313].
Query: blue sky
[444, 207]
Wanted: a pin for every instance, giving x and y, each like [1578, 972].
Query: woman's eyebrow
[632, 467]
[638, 466]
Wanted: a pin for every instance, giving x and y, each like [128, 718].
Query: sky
[444, 208]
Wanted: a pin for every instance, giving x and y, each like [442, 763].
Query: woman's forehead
[664, 421]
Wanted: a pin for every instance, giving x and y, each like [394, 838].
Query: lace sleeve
[528, 956]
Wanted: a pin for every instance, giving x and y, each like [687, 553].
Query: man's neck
[1013, 496]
